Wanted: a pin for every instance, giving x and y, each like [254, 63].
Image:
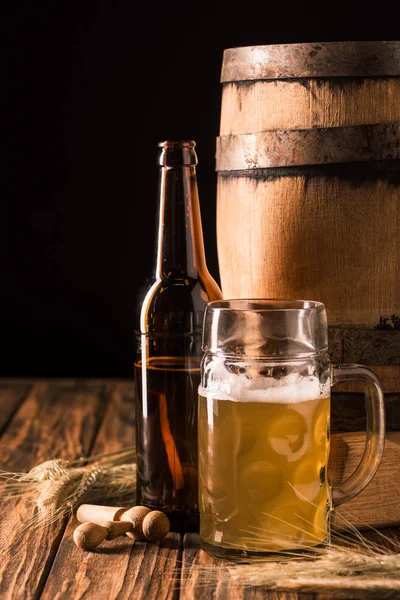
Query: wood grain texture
[11, 396]
[118, 425]
[327, 239]
[379, 350]
[364, 346]
[380, 347]
[74, 418]
[388, 375]
[118, 569]
[348, 411]
[254, 107]
[324, 59]
[123, 567]
[56, 420]
[378, 504]
[205, 577]
[288, 225]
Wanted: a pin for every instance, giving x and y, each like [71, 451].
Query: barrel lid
[323, 59]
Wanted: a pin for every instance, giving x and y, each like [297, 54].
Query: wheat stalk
[367, 567]
[330, 567]
[350, 561]
[56, 487]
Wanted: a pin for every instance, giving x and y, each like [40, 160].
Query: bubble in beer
[262, 480]
[287, 432]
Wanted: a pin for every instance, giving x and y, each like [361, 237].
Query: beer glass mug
[263, 428]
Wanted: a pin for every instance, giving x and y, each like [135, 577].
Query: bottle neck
[180, 237]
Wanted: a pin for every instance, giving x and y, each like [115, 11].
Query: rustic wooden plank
[348, 412]
[388, 375]
[276, 253]
[11, 396]
[120, 569]
[205, 577]
[387, 538]
[331, 590]
[335, 344]
[373, 346]
[149, 570]
[126, 569]
[308, 104]
[117, 430]
[56, 420]
[378, 504]
[379, 350]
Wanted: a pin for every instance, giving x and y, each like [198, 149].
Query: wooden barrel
[308, 184]
[308, 196]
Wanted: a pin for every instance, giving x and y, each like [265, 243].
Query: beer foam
[293, 388]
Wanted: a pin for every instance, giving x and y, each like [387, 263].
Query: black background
[88, 89]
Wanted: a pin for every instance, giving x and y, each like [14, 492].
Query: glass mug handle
[375, 430]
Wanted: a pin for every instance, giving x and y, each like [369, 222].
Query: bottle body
[167, 365]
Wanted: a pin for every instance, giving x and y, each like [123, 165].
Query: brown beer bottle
[167, 365]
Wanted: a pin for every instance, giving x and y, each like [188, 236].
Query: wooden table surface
[46, 419]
